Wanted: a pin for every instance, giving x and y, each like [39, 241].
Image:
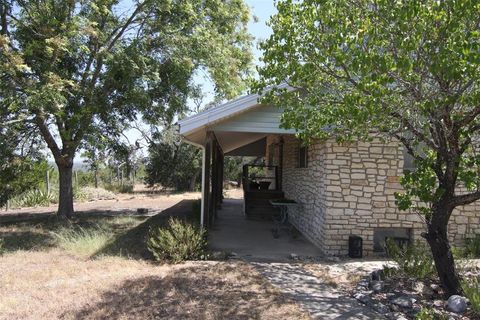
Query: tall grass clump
[177, 242]
[471, 289]
[414, 260]
[472, 247]
[83, 242]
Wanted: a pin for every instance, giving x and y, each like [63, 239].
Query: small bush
[34, 198]
[430, 314]
[118, 188]
[178, 241]
[472, 247]
[2, 249]
[415, 260]
[83, 242]
[471, 289]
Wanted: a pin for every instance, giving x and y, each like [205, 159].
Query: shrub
[118, 188]
[83, 242]
[178, 241]
[414, 260]
[34, 198]
[430, 314]
[472, 247]
[471, 290]
[2, 249]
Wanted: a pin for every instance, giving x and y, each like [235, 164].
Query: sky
[262, 10]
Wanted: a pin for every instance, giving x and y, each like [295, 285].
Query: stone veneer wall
[349, 189]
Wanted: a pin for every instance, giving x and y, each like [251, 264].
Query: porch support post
[202, 205]
[206, 182]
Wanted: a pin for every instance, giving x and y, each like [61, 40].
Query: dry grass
[53, 284]
[85, 270]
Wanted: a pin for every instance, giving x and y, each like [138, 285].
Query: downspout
[203, 178]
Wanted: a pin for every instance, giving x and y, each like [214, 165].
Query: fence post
[47, 181]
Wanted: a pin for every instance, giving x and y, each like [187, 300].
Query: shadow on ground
[35, 231]
[132, 243]
[191, 293]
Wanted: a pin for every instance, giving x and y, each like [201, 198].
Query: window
[402, 236]
[302, 157]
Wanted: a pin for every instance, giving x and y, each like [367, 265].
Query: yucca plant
[178, 241]
[471, 288]
[472, 247]
[34, 198]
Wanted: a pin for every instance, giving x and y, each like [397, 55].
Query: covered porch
[237, 128]
[253, 239]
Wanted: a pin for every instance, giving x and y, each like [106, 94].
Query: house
[343, 189]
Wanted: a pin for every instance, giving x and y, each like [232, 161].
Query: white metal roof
[190, 125]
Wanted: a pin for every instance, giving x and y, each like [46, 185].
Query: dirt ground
[55, 285]
[40, 280]
[124, 203]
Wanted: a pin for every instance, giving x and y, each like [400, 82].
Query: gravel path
[319, 299]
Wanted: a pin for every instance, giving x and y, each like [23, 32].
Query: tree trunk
[96, 177]
[437, 238]
[65, 197]
[193, 182]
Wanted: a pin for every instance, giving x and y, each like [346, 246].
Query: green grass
[83, 242]
[92, 234]
[471, 288]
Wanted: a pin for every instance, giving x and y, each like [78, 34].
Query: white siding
[263, 118]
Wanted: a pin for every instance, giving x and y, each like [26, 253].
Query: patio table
[283, 205]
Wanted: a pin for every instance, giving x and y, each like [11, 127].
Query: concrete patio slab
[253, 240]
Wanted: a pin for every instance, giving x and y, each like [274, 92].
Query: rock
[332, 259]
[376, 275]
[294, 256]
[377, 286]
[381, 308]
[363, 284]
[397, 316]
[435, 287]
[439, 303]
[421, 288]
[403, 302]
[363, 298]
[457, 304]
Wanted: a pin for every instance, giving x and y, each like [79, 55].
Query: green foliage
[178, 241]
[471, 288]
[2, 249]
[19, 175]
[34, 198]
[404, 71]
[72, 68]
[173, 163]
[81, 241]
[472, 247]
[414, 260]
[430, 314]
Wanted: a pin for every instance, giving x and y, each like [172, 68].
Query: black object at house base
[355, 247]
